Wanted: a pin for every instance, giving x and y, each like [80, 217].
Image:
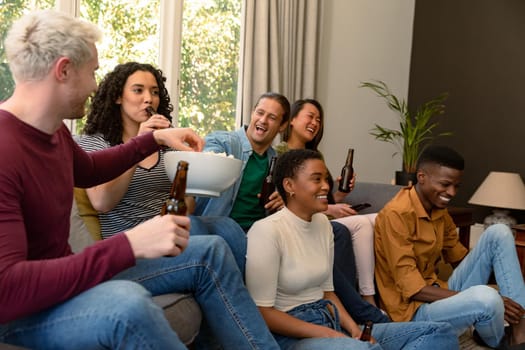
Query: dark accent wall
[474, 50]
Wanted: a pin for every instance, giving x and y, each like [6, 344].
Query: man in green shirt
[251, 144]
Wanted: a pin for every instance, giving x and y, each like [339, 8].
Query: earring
[291, 194]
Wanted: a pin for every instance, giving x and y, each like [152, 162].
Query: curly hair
[104, 115]
[289, 163]
[297, 106]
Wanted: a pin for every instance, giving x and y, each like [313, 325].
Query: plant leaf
[415, 131]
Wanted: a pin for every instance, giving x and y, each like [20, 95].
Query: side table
[520, 245]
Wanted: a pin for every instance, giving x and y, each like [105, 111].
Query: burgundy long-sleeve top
[37, 176]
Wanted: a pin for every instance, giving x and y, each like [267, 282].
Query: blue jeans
[394, 336]
[120, 314]
[478, 304]
[345, 281]
[228, 229]
[111, 315]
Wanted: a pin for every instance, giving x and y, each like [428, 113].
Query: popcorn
[221, 154]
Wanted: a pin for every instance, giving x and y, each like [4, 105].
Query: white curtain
[279, 51]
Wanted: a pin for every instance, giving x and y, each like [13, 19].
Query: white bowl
[208, 174]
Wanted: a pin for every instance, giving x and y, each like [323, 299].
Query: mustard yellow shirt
[408, 244]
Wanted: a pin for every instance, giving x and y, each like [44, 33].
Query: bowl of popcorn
[209, 173]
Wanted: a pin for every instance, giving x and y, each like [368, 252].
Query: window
[130, 31]
[198, 51]
[10, 11]
[209, 64]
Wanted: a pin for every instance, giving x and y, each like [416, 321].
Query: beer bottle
[175, 204]
[347, 173]
[268, 186]
[366, 335]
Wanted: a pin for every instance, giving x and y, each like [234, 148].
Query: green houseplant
[416, 130]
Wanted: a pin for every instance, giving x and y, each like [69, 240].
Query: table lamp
[501, 191]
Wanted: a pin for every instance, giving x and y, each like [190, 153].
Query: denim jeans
[111, 315]
[121, 315]
[345, 282]
[228, 229]
[391, 336]
[478, 304]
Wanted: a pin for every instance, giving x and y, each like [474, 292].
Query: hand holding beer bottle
[366, 335]
[268, 186]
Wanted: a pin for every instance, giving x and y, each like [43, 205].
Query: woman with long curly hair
[105, 102]
[132, 100]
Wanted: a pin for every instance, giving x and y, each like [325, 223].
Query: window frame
[169, 45]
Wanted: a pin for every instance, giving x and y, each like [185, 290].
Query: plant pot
[405, 179]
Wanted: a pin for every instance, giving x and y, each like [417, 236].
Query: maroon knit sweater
[37, 176]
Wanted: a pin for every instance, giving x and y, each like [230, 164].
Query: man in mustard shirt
[414, 231]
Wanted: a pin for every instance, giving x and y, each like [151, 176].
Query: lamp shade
[500, 190]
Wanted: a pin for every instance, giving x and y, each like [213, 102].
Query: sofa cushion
[87, 213]
[377, 194]
[183, 314]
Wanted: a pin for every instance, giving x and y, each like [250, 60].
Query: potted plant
[415, 130]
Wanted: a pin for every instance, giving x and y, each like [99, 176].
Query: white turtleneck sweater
[289, 261]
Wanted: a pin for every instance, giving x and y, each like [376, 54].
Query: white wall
[362, 40]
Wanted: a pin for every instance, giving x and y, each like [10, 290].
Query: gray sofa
[376, 194]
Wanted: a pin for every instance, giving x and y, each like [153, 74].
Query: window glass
[9, 11]
[131, 29]
[209, 64]
[130, 33]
